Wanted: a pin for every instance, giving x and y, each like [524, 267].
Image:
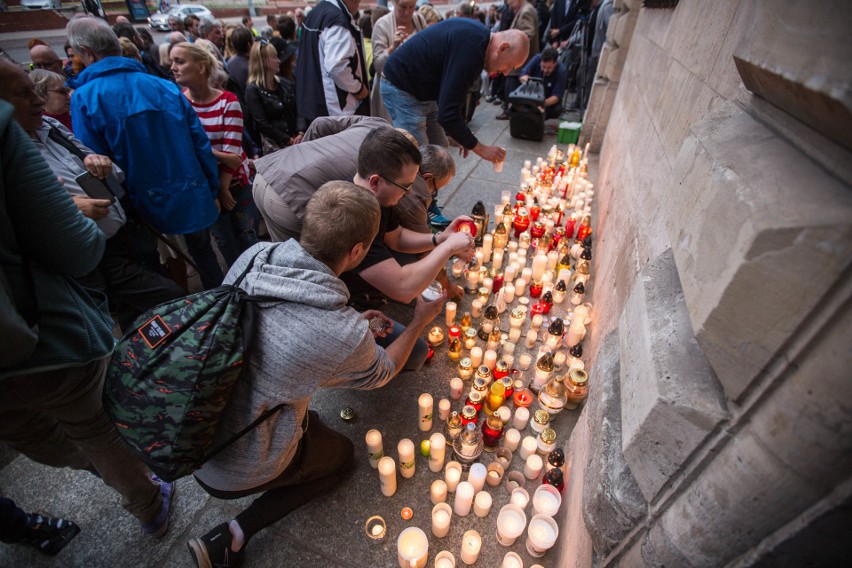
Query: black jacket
[273, 112]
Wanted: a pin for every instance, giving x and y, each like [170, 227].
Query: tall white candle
[521, 418]
[520, 287]
[405, 448]
[497, 259]
[526, 274]
[539, 264]
[438, 447]
[482, 504]
[533, 466]
[476, 356]
[536, 321]
[374, 447]
[576, 332]
[490, 359]
[450, 313]
[438, 491]
[441, 515]
[487, 242]
[452, 475]
[504, 414]
[528, 447]
[476, 476]
[511, 272]
[509, 293]
[387, 476]
[425, 405]
[511, 439]
[476, 308]
[532, 337]
[514, 334]
[456, 388]
[443, 409]
[471, 544]
[552, 260]
[464, 499]
[412, 548]
[511, 521]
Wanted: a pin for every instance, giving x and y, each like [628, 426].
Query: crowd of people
[330, 130]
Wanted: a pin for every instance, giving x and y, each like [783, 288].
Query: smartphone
[94, 187]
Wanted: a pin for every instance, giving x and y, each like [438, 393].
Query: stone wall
[718, 428]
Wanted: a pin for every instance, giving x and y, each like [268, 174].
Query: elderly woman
[51, 87]
[219, 111]
[389, 32]
[271, 101]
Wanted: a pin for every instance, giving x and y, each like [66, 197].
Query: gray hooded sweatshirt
[310, 340]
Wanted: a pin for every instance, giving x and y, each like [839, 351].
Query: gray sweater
[310, 340]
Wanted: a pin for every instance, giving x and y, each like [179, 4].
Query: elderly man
[43, 57]
[293, 458]
[425, 81]
[154, 136]
[331, 68]
[211, 30]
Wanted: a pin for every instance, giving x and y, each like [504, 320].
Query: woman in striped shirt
[222, 119]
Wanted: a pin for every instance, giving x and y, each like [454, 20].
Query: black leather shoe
[503, 116]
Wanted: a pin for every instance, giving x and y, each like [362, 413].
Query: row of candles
[494, 384]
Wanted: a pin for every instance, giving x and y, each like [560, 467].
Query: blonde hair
[43, 79]
[430, 14]
[129, 50]
[198, 54]
[259, 55]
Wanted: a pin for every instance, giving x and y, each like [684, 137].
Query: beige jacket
[382, 39]
[526, 20]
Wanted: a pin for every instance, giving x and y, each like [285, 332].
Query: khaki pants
[281, 222]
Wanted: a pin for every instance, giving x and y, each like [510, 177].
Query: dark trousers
[200, 248]
[129, 274]
[324, 459]
[13, 521]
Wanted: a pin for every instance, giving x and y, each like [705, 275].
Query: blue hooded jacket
[151, 131]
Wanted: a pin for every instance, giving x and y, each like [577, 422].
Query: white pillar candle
[487, 243]
[412, 548]
[546, 500]
[497, 259]
[524, 361]
[464, 499]
[471, 544]
[520, 287]
[405, 449]
[374, 447]
[476, 356]
[514, 334]
[526, 274]
[533, 465]
[480, 257]
[438, 491]
[552, 260]
[482, 504]
[387, 476]
[513, 255]
[488, 284]
[452, 475]
[521, 418]
[450, 313]
[445, 559]
[504, 414]
[441, 515]
[576, 332]
[541, 535]
[476, 476]
[443, 409]
[509, 349]
[437, 450]
[512, 560]
[532, 337]
[528, 447]
[511, 521]
[476, 308]
[509, 293]
[425, 406]
[511, 439]
[558, 360]
[510, 273]
[456, 388]
[490, 359]
[536, 321]
[519, 497]
[539, 264]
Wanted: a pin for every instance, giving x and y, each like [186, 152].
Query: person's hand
[252, 168]
[554, 32]
[98, 165]
[425, 312]
[454, 226]
[231, 161]
[524, 78]
[388, 323]
[398, 37]
[363, 93]
[491, 153]
[92, 208]
[461, 245]
[464, 152]
[454, 292]
[298, 137]
[226, 199]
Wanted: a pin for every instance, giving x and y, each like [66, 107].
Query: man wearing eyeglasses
[43, 57]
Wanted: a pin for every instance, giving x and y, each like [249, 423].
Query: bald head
[507, 50]
[45, 58]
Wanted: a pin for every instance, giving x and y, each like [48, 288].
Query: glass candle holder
[454, 350]
[465, 368]
[495, 398]
[492, 431]
[469, 338]
[540, 421]
[435, 336]
[375, 527]
[576, 388]
[474, 399]
[453, 425]
[546, 441]
[482, 378]
[468, 415]
[501, 370]
[468, 446]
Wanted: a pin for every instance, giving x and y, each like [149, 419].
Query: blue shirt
[554, 84]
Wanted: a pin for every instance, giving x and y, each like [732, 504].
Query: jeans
[201, 250]
[324, 458]
[236, 230]
[57, 418]
[418, 353]
[420, 118]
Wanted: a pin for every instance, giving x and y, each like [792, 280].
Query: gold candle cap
[541, 417]
[548, 435]
[578, 377]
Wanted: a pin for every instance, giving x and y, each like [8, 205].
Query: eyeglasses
[404, 188]
[47, 66]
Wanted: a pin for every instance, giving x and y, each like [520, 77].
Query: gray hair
[437, 161]
[44, 79]
[206, 26]
[94, 34]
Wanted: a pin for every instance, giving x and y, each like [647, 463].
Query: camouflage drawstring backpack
[171, 377]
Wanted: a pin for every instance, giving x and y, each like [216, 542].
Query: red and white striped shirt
[222, 119]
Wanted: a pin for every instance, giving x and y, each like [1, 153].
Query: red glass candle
[430, 354]
[501, 370]
[553, 477]
[537, 230]
[535, 289]
[535, 211]
[520, 197]
[454, 332]
[570, 225]
[509, 387]
[468, 415]
[492, 431]
[521, 222]
[538, 308]
[466, 226]
[522, 398]
[474, 400]
[498, 283]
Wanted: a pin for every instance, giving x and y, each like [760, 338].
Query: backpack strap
[257, 421]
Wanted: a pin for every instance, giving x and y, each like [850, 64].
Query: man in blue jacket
[151, 131]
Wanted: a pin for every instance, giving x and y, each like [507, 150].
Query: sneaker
[160, 524]
[438, 221]
[213, 550]
[497, 101]
[48, 534]
[503, 116]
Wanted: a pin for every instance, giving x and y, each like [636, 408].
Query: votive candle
[511, 439]
[476, 476]
[528, 447]
[533, 466]
[482, 504]
[444, 409]
[471, 544]
[490, 359]
[438, 491]
[441, 515]
[521, 418]
[476, 356]
[476, 308]
[456, 388]
[452, 475]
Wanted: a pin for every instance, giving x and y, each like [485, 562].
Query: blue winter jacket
[151, 131]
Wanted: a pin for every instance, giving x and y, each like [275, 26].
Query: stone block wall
[717, 430]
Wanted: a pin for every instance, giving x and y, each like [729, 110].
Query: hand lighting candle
[405, 449]
[425, 407]
[387, 476]
[374, 447]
